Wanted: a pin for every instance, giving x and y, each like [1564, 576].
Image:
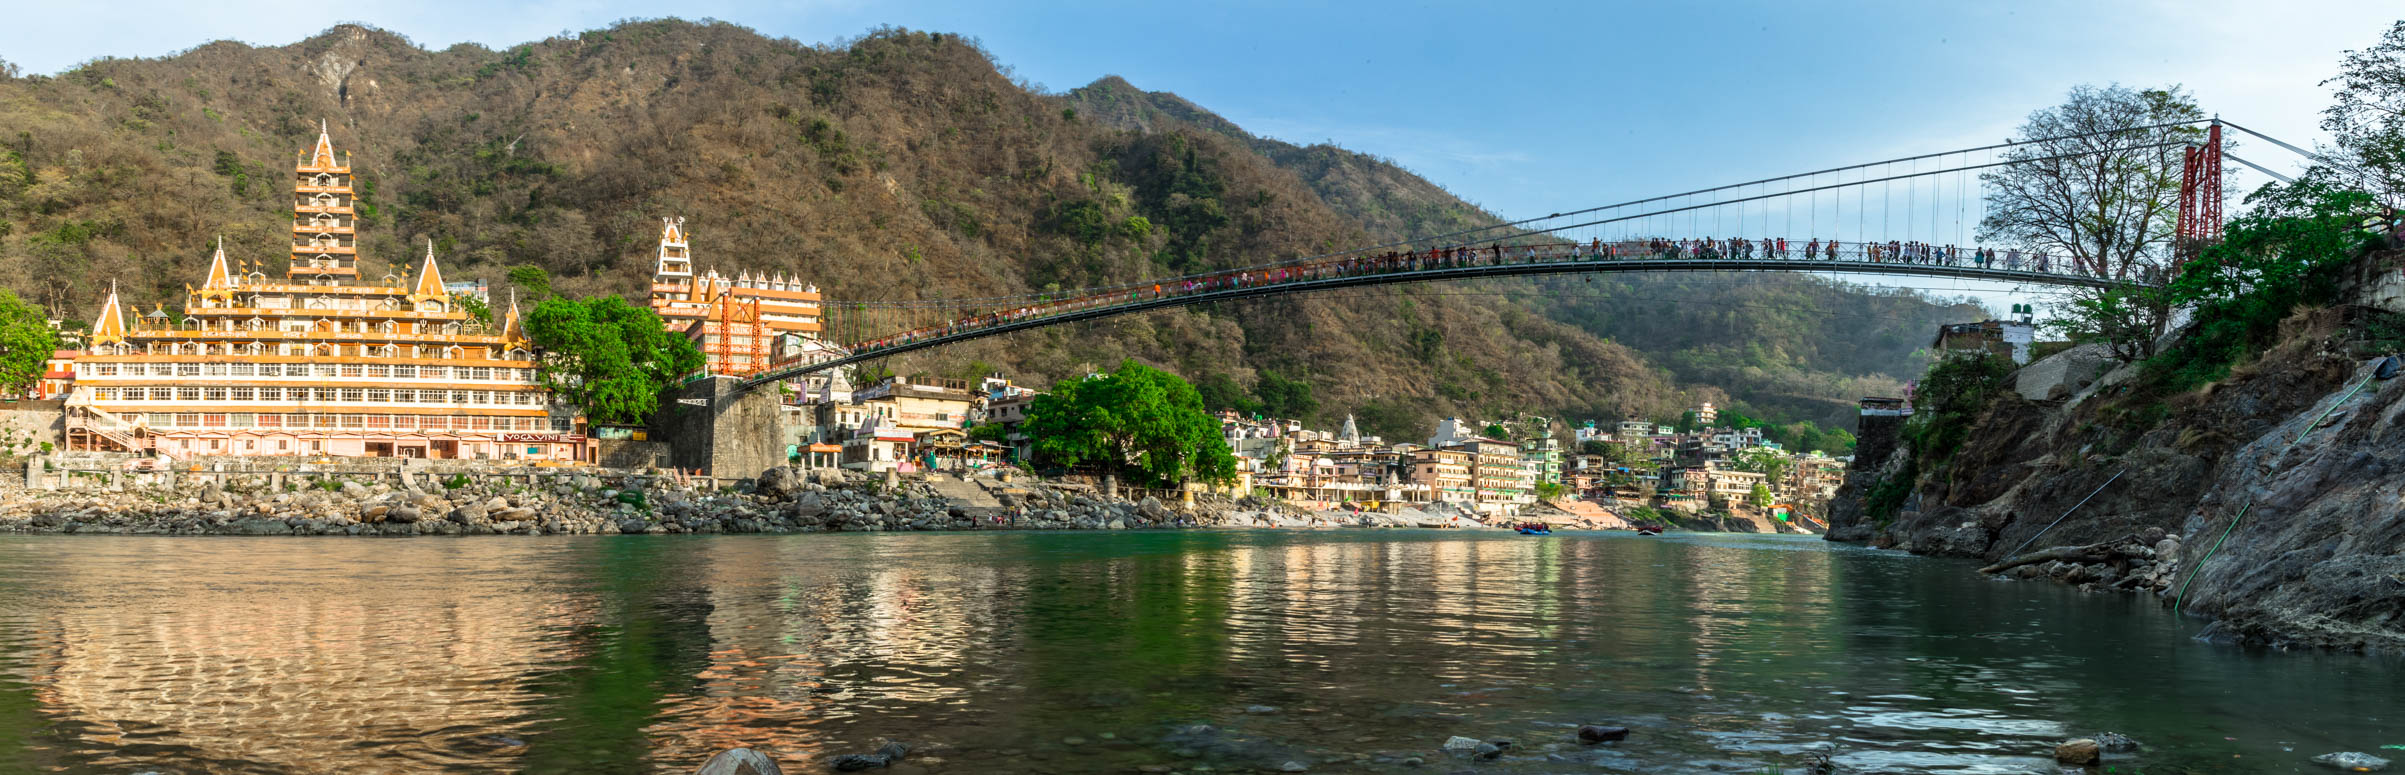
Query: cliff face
[902, 166]
[2303, 449]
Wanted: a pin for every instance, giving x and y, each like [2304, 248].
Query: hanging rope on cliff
[2386, 370]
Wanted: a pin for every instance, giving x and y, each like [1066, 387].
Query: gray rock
[2115, 742]
[739, 761]
[403, 515]
[1459, 744]
[2352, 761]
[633, 525]
[1293, 766]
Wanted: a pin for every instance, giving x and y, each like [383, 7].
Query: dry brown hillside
[900, 166]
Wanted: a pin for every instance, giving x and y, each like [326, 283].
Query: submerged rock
[739, 761]
[2352, 761]
[1591, 734]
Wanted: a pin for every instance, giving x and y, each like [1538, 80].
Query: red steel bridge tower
[2200, 192]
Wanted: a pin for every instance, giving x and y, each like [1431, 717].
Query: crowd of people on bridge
[1436, 261]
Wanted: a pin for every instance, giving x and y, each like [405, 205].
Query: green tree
[2367, 118]
[1284, 396]
[607, 356]
[1220, 391]
[476, 308]
[1760, 497]
[1143, 424]
[25, 344]
[1770, 463]
[533, 280]
[1494, 430]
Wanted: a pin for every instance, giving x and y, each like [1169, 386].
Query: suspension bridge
[1922, 230]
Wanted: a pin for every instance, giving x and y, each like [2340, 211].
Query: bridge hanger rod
[1517, 223]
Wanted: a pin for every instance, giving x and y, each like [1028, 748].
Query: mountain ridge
[899, 166]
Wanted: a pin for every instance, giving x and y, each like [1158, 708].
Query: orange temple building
[736, 321]
[315, 362]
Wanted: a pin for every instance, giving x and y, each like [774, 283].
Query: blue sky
[1525, 108]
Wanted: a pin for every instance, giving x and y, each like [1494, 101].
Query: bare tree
[2367, 117]
[2104, 190]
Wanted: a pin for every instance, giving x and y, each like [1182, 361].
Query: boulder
[779, 482]
[1152, 509]
[469, 514]
[2082, 751]
[2352, 761]
[739, 761]
[633, 525]
[403, 515]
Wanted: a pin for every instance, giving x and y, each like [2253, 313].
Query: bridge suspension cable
[1715, 191]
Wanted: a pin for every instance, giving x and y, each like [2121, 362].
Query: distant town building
[2008, 338]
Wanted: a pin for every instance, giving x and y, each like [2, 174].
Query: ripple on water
[213, 656]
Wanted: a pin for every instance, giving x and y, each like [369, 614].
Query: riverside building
[736, 321]
[315, 362]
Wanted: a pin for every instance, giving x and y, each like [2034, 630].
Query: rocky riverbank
[2282, 477]
[781, 500]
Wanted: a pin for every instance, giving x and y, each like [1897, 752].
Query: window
[405, 372]
[187, 394]
[283, 445]
[459, 397]
[239, 394]
[351, 370]
[480, 373]
[213, 394]
[379, 421]
[270, 420]
[351, 395]
[379, 370]
[187, 421]
[240, 420]
[379, 396]
[480, 423]
[270, 394]
[324, 394]
[434, 372]
[403, 396]
[480, 396]
[244, 369]
[187, 369]
[216, 369]
[104, 369]
[326, 370]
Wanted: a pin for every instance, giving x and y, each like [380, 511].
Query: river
[1096, 652]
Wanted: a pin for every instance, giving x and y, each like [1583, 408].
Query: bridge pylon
[2200, 195]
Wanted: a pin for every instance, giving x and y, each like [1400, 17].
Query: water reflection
[1082, 653]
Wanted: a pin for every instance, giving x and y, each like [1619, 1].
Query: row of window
[356, 370]
[322, 395]
[319, 350]
[304, 325]
[375, 422]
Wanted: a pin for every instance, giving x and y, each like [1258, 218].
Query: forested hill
[903, 165]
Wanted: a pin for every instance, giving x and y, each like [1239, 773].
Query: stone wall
[735, 433]
[634, 455]
[26, 425]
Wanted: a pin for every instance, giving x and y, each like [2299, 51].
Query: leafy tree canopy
[608, 356]
[532, 279]
[25, 344]
[1140, 423]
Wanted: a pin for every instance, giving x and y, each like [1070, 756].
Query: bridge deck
[1147, 300]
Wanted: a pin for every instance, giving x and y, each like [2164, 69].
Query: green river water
[1101, 652]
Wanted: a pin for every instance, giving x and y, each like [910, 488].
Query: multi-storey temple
[316, 362]
[737, 321]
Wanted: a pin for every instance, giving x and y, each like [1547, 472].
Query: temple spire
[323, 154]
[220, 278]
[509, 320]
[430, 277]
[110, 328]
